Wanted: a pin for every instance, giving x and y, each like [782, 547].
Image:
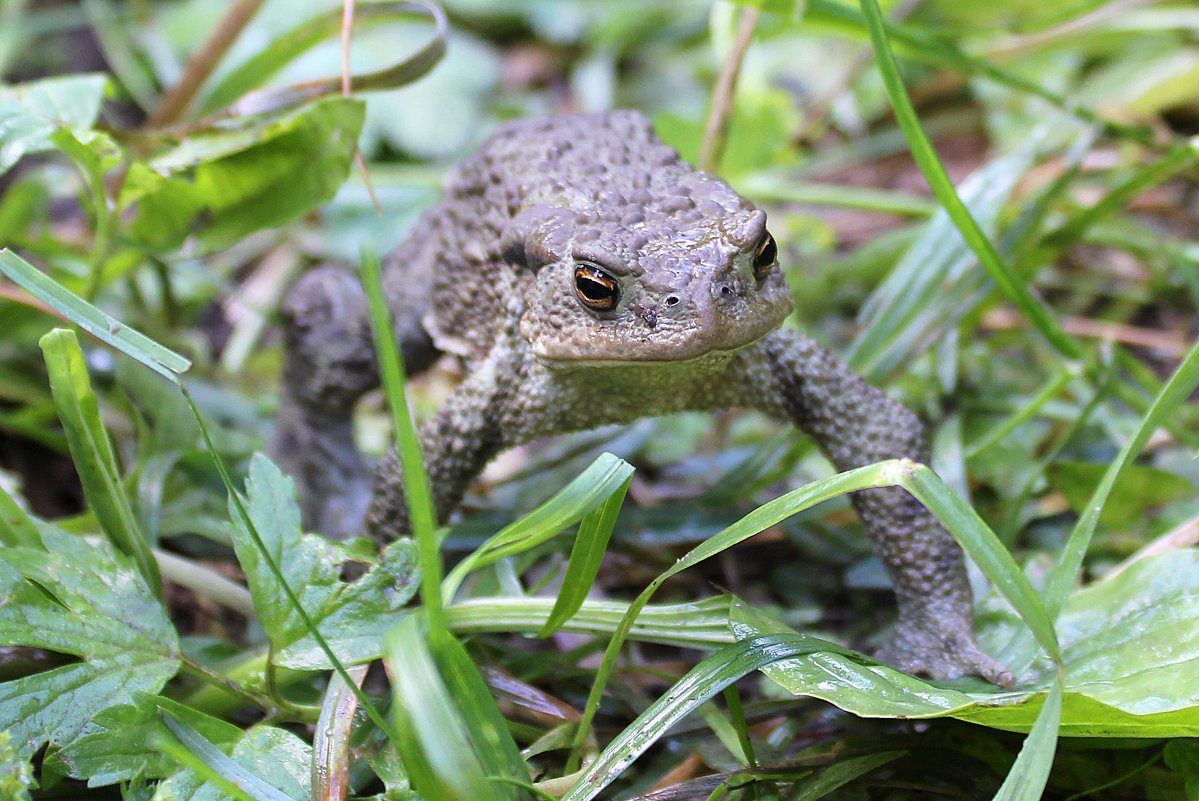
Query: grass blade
[591, 489]
[441, 760]
[981, 545]
[938, 179]
[416, 481]
[133, 344]
[590, 544]
[756, 521]
[700, 684]
[1176, 159]
[1026, 780]
[1176, 390]
[284, 49]
[833, 14]
[485, 724]
[214, 765]
[92, 452]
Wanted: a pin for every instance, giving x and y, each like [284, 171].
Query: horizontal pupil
[594, 289]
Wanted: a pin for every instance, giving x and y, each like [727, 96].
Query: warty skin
[585, 275]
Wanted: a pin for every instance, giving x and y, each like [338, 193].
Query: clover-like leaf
[353, 615]
[86, 601]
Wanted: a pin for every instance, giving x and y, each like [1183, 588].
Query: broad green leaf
[1129, 643]
[107, 329]
[119, 744]
[1129, 646]
[851, 681]
[88, 601]
[31, 113]
[757, 136]
[267, 764]
[78, 409]
[311, 566]
[165, 206]
[246, 175]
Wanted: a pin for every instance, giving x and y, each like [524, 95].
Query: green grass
[664, 601]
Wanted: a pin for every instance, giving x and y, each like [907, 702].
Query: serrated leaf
[311, 566]
[88, 601]
[117, 747]
[31, 113]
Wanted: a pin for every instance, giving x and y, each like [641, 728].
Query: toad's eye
[598, 290]
[765, 256]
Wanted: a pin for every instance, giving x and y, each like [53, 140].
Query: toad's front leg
[856, 424]
[462, 436]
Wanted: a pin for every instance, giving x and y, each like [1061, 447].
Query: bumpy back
[609, 168]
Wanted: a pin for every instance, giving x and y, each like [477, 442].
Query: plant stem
[202, 63]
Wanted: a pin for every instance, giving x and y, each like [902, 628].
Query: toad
[585, 275]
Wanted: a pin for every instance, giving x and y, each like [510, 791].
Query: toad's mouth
[649, 360]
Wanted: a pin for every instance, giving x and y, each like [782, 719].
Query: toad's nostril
[673, 300]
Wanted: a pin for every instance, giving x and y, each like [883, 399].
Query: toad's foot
[941, 650]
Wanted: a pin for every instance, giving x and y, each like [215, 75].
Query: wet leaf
[87, 601]
[358, 612]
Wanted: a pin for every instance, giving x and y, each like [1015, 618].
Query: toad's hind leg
[329, 364]
[856, 424]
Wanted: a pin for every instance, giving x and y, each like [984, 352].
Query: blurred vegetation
[1070, 131]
